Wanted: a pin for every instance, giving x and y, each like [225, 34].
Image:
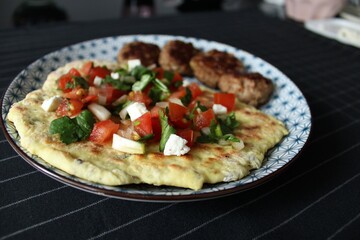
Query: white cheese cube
[205, 130]
[219, 109]
[126, 145]
[97, 81]
[176, 146]
[99, 111]
[133, 63]
[115, 75]
[136, 110]
[51, 104]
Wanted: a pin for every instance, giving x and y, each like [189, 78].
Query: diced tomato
[85, 70]
[101, 72]
[156, 127]
[67, 78]
[195, 90]
[139, 96]
[181, 92]
[90, 99]
[110, 93]
[155, 111]
[187, 134]
[69, 107]
[203, 119]
[103, 131]
[181, 123]
[177, 77]
[225, 99]
[176, 111]
[143, 125]
[74, 72]
[76, 93]
[176, 82]
[159, 72]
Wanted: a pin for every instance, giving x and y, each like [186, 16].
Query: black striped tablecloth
[318, 197]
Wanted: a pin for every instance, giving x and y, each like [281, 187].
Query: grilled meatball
[250, 88]
[210, 66]
[176, 55]
[147, 53]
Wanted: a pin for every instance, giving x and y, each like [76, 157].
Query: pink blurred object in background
[303, 10]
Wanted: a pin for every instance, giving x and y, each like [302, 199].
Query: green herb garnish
[222, 130]
[73, 130]
[140, 85]
[187, 98]
[77, 82]
[116, 83]
[166, 130]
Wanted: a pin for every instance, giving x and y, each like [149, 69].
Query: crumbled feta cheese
[219, 109]
[97, 81]
[205, 130]
[51, 104]
[133, 63]
[176, 146]
[136, 110]
[115, 75]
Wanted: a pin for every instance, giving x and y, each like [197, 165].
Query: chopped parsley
[77, 82]
[73, 130]
[187, 98]
[221, 129]
[166, 130]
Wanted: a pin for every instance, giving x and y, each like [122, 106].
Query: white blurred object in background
[303, 10]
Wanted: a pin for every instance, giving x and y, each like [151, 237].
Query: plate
[287, 104]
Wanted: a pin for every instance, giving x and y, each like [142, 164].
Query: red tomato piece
[186, 134]
[181, 92]
[74, 72]
[143, 125]
[225, 99]
[181, 123]
[155, 111]
[139, 96]
[90, 99]
[85, 70]
[76, 93]
[111, 93]
[195, 90]
[67, 78]
[156, 127]
[176, 111]
[159, 72]
[103, 131]
[203, 119]
[69, 107]
[101, 72]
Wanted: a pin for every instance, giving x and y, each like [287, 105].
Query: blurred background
[20, 13]
[14, 13]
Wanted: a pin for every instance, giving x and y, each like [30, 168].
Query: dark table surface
[317, 197]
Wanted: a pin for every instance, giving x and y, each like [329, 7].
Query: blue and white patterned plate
[287, 104]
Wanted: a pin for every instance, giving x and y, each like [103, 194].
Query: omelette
[204, 162]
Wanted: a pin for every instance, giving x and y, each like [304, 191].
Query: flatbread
[205, 163]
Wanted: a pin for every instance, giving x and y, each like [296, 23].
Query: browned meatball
[210, 66]
[147, 53]
[250, 88]
[176, 55]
